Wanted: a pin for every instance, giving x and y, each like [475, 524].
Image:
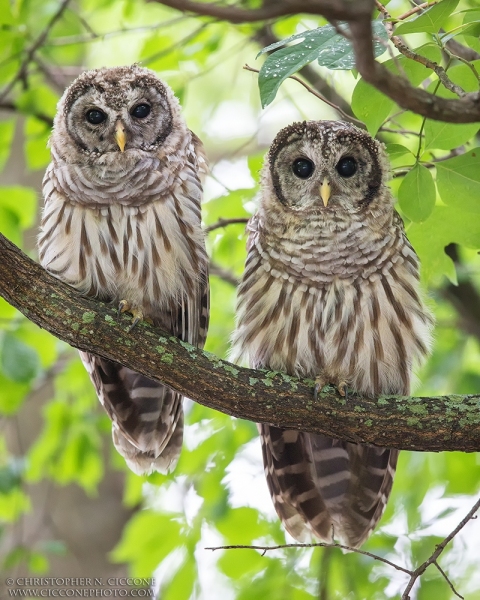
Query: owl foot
[320, 383]
[137, 313]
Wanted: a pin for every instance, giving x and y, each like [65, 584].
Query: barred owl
[121, 222]
[330, 291]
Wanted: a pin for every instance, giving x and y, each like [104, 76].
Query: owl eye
[346, 167]
[140, 111]
[95, 116]
[303, 168]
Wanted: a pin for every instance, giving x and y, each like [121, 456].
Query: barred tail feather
[147, 417]
[326, 487]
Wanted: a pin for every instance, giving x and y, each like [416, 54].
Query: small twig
[217, 271]
[414, 10]
[22, 72]
[314, 545]
[224, 222]
[406, 51]
[439, 71]
[438, 550]
[445, 576]
[10, 106]
[317, 95]
[461, 59]
[402, 131]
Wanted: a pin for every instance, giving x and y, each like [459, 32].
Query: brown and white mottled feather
[125, 225]
[330, 292]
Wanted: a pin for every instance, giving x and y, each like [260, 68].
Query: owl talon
[319, 384]
[137, 314]
[123, 306]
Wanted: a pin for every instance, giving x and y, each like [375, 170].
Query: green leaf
[430, 21]
[396, 151]
[12, 395]
[242, 525]
[446, 136]
[19, 362]
[458, 181]
[22, 202]
[371, 106]
[238, 563]
[324, 44]
[446, 225]
[416, 194]
[146, 540]
[181, 586]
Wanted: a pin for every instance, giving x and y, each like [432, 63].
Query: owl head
[114, 112]
[327, 167]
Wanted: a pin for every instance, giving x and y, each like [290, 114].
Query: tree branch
[431, 424]
[438, 550]
[359, 15]
[330, 9]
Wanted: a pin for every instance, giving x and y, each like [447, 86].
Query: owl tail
[332, 489]
[147, 417]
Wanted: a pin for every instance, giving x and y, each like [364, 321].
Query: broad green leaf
[416, 194]
[446, 225]
[430, 21]
[396, 151]
[37, 153]
[19, 362]
[242, 525]
[324, 44]
[20, 201]
[458, 181]
[146, 540]
[181, 586]
[12, 395]
[371, 106]
[235, 564]
[446, 136]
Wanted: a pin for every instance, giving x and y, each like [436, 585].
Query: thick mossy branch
[432, 424]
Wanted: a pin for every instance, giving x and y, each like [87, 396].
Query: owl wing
[147, 417]
[324, 486]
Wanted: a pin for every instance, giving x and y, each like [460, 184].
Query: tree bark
[411, 423]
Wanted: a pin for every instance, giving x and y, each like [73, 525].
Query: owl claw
[137, 313]
[320, 382]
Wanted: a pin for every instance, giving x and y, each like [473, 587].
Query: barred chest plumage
[147, 252]
[330, 305]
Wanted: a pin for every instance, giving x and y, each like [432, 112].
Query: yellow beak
[120, 137]
[325, 191]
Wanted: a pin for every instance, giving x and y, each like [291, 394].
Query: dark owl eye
[303, 168]
[95, 116]
[347, 166]
[140, 111]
